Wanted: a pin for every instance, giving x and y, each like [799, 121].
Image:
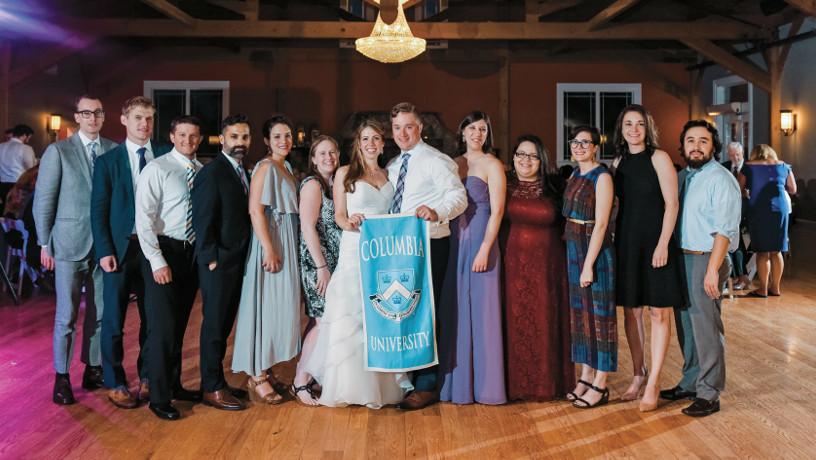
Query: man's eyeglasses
[527, 156]
[86, 114]
[575, 143]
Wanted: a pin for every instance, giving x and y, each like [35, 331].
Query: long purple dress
[471, 356]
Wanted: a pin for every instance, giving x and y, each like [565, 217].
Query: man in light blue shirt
[708, 227]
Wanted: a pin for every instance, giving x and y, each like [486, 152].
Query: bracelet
[322, 266]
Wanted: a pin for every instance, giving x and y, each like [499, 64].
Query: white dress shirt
[86, 142]
[162, 198]
[16, 158]
[432, 180]
[132, 147]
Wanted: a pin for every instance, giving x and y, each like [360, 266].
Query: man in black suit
[739, 258]
[116, 245]
[222, 227]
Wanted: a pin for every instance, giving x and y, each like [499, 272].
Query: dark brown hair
[652, 135]
[472, 117]
[356, 168]
[313, 167]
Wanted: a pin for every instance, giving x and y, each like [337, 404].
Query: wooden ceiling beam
[609, 13]
[248, 9]
[806, 6]
[535, 9]
[730, 62]
[172, 11]
[710, 30]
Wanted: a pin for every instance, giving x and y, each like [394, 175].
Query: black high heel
[581, 403]
[571, 396]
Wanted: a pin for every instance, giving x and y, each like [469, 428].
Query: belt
[179, 243]
[696, 253]
[580, 222]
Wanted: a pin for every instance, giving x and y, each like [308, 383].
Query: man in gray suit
[62, 206]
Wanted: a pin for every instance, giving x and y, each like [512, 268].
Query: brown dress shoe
[121, 397]
[418, 400]
[223, 400]
[144, 391]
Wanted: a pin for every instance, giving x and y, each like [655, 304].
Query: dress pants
[168, 310]
[220, 294]
[118, 286]
[427, 379]
[700, 331]
[69, 279]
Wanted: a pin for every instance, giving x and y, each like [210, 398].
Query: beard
[237, 152]
[697, 164]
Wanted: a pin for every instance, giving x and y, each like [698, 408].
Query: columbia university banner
[398, 303]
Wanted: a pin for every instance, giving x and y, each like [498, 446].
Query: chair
[16, 238]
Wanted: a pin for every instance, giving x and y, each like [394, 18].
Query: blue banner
[398, 303]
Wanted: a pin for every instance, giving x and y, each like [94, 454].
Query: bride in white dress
[337, 361]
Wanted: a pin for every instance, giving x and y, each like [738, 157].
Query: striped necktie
[240, 171]
[92, 148]
[396, 204]
[189, 233]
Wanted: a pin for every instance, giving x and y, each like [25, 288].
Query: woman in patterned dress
[319, 244]
[590, 267]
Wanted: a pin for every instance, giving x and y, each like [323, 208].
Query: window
[593, 104]
[207, 100]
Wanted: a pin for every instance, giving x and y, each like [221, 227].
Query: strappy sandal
[571, 396]
[582, 403]
[293, 390]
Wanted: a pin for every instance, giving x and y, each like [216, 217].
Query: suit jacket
[220, 214]
[62, 199]
[113, 204]
[727, 165]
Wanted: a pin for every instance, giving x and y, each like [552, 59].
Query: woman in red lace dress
[535, 280]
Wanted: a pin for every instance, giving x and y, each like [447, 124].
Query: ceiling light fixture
[390, 43]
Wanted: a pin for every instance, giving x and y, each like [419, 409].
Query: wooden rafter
[709, 30]
[535, 9]
[170, 10]
[795, 27]
[609, 13]
[806, 6]
[248, 9]
[727, 60]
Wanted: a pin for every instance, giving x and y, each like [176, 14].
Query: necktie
[92, 147]
[142, 159]
[189, 233]
[240, 171]
[396, 205]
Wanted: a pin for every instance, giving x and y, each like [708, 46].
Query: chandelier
[391, 43]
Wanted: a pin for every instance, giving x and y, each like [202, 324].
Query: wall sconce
[54, 122]
[787, 122]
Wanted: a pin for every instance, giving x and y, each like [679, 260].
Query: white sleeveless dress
[337, 359]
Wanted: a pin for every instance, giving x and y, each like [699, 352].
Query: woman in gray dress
[267, 331]
[319, 246]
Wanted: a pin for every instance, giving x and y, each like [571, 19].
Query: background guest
[472, 367]
[588, 203]
[268, 324]
[536, 293]
[319, 246]
[766, 182]
[648, 273]
[739, 257]
[16, 157]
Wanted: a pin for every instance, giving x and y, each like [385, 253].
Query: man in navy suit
[116, 245]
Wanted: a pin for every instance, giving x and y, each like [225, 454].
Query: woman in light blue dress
[267, 330]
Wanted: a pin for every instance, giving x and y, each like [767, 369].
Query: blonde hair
[763, 152]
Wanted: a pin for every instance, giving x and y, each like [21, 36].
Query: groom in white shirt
[427, 184]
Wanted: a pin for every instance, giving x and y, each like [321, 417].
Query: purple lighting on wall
[30, 20]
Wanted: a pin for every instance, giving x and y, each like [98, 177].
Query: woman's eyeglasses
[527, 156]
[584, 144]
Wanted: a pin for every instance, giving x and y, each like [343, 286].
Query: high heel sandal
[308, 388]
[582, 403]
[629, 397]
[572, 396]
[253, 388]
[648, 407]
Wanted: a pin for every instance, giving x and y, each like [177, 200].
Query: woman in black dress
[648, 273]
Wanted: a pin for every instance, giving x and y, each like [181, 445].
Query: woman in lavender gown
[472, 357]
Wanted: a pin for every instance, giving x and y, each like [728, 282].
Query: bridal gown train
[337, 361]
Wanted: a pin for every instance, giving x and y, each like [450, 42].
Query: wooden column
[5, 83]
[695, 78]
[775, 96]
[501, 125]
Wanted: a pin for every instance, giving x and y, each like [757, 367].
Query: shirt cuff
[157, 261]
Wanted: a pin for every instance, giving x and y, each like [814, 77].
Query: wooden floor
[768, 408]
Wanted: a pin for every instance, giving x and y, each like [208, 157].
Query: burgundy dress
[536, 296]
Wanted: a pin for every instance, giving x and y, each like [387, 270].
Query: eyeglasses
[86, 114]
[575, 143]
[527, 156]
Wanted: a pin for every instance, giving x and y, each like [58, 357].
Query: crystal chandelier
[391, 43]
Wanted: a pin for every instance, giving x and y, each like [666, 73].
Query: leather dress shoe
[121, 397]
[677, 393]
[418, 400]
[165, 411]
[144, 390]
[92, 378]
[63, 394]
[239, 393]
[702, 407]
[183, 394]
[223, 400]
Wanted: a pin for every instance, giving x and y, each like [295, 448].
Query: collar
[133, 147]
[87, 140]
[183, 160]
[232, 160]
[16, 139]
[691, 170]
